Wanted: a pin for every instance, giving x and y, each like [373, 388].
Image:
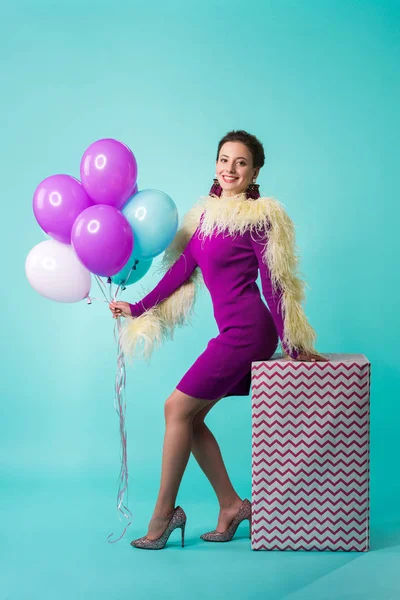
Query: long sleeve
[272, 297]
[176, 275]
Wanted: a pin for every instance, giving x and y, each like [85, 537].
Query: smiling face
[234, 168]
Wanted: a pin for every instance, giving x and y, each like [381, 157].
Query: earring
[216, 189]
[254, 185]
[252, 191]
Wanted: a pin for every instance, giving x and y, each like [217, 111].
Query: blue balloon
[134, 270]
[153, 217]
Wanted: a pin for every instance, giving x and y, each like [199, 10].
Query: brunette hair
[257, 152]
[253, 144]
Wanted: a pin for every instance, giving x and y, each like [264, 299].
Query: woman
[226, 239]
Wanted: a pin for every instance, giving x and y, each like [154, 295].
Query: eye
[222, 159]
[242, 162]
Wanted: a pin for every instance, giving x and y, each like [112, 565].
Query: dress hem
[227, 395]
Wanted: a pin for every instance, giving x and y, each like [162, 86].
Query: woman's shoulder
[263, 214]
[236, 214]
[273, 212]
[188, 225]
[270, 205]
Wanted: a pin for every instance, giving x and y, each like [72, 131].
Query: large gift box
[310, 454]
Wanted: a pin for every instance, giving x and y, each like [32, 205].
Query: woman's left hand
[120, 309]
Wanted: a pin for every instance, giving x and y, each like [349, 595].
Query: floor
[54, 546]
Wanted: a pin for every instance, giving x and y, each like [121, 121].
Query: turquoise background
[318, 83]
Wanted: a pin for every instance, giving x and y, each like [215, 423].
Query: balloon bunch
[101, 225]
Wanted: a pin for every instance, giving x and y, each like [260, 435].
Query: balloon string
[116, 292]
[94, 298]
[120, 407]
[126, 279]
[109, 281]
[100, 281]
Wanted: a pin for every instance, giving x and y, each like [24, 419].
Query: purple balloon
[102, 239]
[57, 201]
[109, 172]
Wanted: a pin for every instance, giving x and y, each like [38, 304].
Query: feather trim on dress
[231, 214]
[236, 214]
[141, 335]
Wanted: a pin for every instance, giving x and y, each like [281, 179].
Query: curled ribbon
[120, 408]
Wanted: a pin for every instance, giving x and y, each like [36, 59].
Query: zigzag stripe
[309, 531]
[284, 380]
[270, 381]
[307, 404]
[307, 414]
[303, 471]
[341, 453]
[302, 423]
[323, 366]
[256, 396]
[326, 501]
[269, 371]
[314, 538]
[303, 511]
[264, 427]
[270, 384]
[289, 437]
[311, 444]
[272, 387]
[307, 391]
[321, 495]
[281, 417]
[254, 546]
[287, 450]
[257, 463]
[283, 391]
[313, 520]
[305, 483]
[308, 501]
[333, 437]
[315, 388]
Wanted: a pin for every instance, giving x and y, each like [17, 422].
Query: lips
[229, 179]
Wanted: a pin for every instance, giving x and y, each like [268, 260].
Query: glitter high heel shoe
[243, 513]
[178, 519]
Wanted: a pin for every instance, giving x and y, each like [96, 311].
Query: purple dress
[248, 330]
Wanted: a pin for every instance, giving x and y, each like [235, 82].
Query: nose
[231, 168]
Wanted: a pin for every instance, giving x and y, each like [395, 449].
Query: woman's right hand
[120, 309]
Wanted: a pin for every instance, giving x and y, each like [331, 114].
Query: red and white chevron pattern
[310, 454]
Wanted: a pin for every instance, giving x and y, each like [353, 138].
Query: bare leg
[180, 410]
[207, 453]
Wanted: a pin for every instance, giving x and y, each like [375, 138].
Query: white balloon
[54, 270]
